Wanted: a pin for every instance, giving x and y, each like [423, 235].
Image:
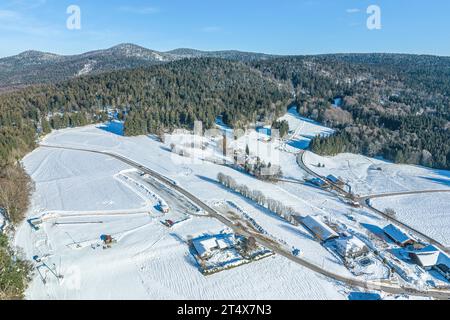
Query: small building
[335, 180]
[317, 182]
[164, 207]
[398, 236]
[351, 247]
[319, 228]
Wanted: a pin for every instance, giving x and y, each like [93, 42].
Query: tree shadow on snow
[248, 201]
[297, 231]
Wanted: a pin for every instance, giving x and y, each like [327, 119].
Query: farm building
[432, 258]
[206, 245]
[351, 247]
[398, 236]
[318, 228]
[443, 266]
[426, 257]
[334, 180]
[317, 182]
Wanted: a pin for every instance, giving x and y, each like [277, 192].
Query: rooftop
[396, 234]
[320, 229]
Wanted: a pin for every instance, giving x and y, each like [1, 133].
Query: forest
[393, 106]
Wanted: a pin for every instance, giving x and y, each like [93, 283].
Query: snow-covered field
[303, 130]
[73, 181]
[90, 197]
[148, 260]
[369, 176]
[428, 213]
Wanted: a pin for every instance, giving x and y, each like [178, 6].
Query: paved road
[365, 202]
[439, 294]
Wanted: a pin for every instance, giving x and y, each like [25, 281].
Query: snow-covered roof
[396, 234]
[320, 229]
[427, 259]
[431, 256]
[333, 178]
[222, 243]
[205, 245]
[318, 181]
[350, 245]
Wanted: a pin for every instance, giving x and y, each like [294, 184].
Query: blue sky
[280, 27]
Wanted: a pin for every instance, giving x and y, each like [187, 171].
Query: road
[271, 245]
[365, 202]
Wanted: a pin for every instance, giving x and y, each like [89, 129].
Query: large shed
[319, 228]
[398, 236]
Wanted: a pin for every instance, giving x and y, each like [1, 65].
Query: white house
[426, 257]
[432, 258]
[206, 245]
[351, 247]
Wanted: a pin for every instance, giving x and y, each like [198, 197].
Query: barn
[334, 180]
[398, 236]
[318, 228]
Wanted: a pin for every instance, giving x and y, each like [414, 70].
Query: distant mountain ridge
[33, 67]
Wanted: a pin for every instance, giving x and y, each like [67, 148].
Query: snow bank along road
[439, 294]
[365, 202]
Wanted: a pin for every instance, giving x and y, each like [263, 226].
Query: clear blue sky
[280, 27]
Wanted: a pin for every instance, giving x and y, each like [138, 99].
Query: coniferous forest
[395, 106]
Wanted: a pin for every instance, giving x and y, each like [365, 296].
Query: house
[426, 257]
[431, 258]
[334, 180]
[206, 245]
[397, 235]
[351, 247]
[318, 228]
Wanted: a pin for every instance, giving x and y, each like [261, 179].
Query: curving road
[365, 202]
[268, 243]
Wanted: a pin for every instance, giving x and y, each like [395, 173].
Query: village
[222, 204]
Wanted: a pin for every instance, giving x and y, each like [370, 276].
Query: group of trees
[282, 127]
[14, 272]
[394, 106]
[259, 169]
[286, 212]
